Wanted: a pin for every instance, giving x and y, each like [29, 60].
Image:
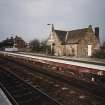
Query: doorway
[89, 50]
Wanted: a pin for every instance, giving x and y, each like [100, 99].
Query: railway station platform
[3, 98]
[96, 61]
[86, 60]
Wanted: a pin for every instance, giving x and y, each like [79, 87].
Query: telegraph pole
[51, 40]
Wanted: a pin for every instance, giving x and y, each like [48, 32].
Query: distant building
[16, 42]
[19, 42]
[80, 43]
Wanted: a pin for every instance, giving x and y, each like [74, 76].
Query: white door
[89, 50]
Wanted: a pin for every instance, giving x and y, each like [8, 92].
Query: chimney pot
[97, 32]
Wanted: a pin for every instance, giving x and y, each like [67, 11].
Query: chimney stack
[97, 32]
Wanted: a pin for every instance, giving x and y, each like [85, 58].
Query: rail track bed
[21, 93]
[61, 91]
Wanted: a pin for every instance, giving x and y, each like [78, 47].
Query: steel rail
[13, 83]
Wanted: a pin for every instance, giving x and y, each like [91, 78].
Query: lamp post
[51, 40]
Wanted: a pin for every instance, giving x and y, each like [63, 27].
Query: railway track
[19, 70]
[21, 93]
[96, 89]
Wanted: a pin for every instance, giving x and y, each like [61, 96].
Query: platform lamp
[51, 40]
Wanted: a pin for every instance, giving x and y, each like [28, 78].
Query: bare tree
[43, 46]
[35, 44]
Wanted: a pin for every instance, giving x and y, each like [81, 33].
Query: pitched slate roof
[75, 36]
[61, 35]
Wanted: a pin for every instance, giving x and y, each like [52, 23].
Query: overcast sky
[29, 18]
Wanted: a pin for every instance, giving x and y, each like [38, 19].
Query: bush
[100, 54]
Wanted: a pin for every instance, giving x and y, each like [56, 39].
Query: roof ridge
[71, 30]
[78, 29]
[61, 30]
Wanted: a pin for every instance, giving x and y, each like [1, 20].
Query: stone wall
[71, 50]
[59, 50]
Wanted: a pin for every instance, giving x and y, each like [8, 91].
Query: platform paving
[86, 60]
[3, 99]
[90, 60]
